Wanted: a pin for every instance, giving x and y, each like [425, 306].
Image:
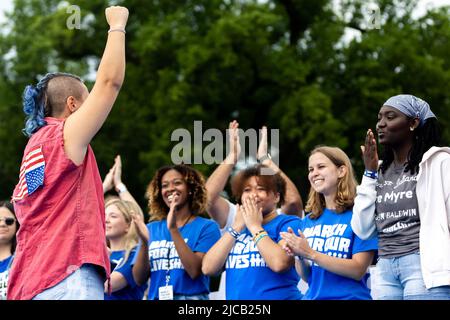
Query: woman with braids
[179, 237]
[61, 251]
[406, 201]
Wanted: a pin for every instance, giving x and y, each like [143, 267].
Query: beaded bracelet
[260, 231]
[260, 237]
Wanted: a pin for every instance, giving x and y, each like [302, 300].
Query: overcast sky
[5, 5]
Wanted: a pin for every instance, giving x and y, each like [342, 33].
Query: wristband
[117, 29]
[264, 157]
[121, 188]
[371, 174]
[233, 232]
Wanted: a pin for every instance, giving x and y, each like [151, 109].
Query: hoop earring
[411, 128]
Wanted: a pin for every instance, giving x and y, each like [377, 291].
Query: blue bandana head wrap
[411, 106]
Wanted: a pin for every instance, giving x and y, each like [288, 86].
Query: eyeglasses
[8, 221]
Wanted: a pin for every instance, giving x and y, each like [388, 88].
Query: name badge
[165, 293]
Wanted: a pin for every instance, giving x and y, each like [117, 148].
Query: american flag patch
[31, 174]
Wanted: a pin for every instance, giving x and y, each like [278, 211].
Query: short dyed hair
[271, 182]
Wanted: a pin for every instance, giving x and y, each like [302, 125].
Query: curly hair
[346, 188]
[197, 196]
[272, 182]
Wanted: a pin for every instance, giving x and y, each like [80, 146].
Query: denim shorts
[401, 278]
[86, 283]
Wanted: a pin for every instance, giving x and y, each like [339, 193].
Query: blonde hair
[346, 186]
[127, 208]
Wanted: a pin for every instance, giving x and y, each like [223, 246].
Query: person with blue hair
[61, 252]
[406, 202]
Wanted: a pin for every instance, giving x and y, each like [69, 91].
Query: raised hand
[117, 17]
[298, 246]
[108, 182]
[263, 145]
[370, 152]
[171, 218]
[141, 228]
[235, 145]
[117, 171]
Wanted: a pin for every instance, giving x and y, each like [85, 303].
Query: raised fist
[116, 17]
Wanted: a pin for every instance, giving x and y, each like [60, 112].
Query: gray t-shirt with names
[397, 213]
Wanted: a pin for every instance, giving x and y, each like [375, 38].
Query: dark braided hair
[35, 103]
[425, 137]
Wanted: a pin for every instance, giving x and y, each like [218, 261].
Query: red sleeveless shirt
[60, 208]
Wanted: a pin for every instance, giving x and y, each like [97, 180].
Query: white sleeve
[230, 218]
[363, 218]
[446, 186]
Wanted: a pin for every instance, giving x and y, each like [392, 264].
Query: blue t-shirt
[248, 276]
[200, 235]
[332, 234]
[5, 265]
[132, 291]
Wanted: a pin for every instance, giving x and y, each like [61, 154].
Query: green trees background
[288, 64]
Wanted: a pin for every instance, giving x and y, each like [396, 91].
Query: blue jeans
[86, 283]
[203, 296]
[401, 279]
